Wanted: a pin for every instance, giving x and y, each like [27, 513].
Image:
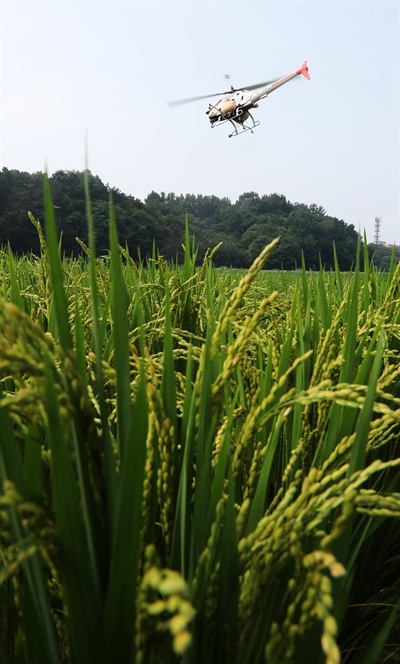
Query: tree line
[243, 227]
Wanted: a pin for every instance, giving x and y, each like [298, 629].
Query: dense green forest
[243, 227]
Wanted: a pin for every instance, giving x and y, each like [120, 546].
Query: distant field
[197, 464]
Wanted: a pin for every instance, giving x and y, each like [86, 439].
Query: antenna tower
[377, 229]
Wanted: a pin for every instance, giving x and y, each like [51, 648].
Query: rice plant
[196, 464]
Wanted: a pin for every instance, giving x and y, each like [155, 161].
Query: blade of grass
[182, 522]
[119, 306]
[373, 650]
[98, 336]
[78, 575]
[91, 519]
[205, 431]
[119, 614]
[59, 301]
[131, 436]
[228, 586]
[168, 383]
[358, 452]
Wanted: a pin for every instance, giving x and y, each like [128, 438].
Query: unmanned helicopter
[236, 107]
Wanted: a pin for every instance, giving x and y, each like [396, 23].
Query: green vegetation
[196, 464]
[306, 232]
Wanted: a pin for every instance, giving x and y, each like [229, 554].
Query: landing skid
[243, 127]
[239, 126]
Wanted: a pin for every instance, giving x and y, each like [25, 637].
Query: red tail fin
[304, 70]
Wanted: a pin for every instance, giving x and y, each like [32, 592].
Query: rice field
[197, 465]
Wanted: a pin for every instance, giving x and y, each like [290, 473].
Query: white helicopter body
[236, 107]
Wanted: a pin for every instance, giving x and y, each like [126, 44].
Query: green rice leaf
[59, 301]
[80, 586]
[120, 303]
[119, 615]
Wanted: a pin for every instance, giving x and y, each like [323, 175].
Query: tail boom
[264, 92]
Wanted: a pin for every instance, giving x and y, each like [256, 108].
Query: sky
[86, 84]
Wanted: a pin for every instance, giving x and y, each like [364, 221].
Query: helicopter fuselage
[237, 106]
[226, 108]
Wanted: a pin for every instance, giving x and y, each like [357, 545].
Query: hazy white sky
[107, 69]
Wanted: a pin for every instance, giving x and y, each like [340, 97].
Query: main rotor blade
[179, 102]
[257, 85]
